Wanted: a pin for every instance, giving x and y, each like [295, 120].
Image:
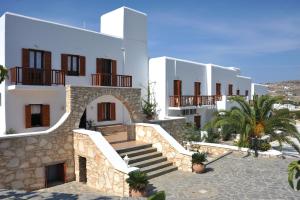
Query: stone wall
[100, 173]
[173, 126]
[149, 134]
[23, 157]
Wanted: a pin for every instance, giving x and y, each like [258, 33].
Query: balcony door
[197, 93]
[107, 68]
[177, 92]
[36, 67]
[230, 93]
[218, 89]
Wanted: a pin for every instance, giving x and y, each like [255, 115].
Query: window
[106, 111]
[246, 93]
[36, 59]
[237, 92]
[230, 86]
[36, 115]
[73, 65]
[218, 89]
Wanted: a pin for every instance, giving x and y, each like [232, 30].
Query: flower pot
[137, 193]
[198, 168]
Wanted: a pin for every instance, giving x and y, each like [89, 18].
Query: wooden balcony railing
[111, 80]
[182, 101]
[32, 76]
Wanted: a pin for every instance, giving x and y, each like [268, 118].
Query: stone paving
[68, 191]
[232, 177]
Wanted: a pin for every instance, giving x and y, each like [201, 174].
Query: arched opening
[83, 122]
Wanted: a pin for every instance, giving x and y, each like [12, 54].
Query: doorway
[197, 121]
[82, 123]
[82, 170]
[55, 174]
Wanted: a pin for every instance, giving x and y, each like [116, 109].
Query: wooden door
[218, 89]
[197, 121]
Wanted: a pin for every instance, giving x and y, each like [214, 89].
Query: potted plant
[197, 162]
[138, 182]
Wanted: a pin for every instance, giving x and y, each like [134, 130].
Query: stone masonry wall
[172, 126]
[100, 173]
[148, 134]
[23, 158]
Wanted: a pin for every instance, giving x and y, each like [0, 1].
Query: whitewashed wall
[17, 99]
[2, 85]
[243, 83]
[122, 114]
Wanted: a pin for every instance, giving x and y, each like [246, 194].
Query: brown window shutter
[114, 72]
[25, 65]
[82, 66]
[100, 112]
[25, 57]
[197, 91]
[177, 87]
[112, 111]
[47, 60]
[47, 66]
[64, 63]
[28, 116]
[218, 89]
[45, 115]
[100, 64]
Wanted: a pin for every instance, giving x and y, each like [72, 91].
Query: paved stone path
[68, 191]
[232, 177]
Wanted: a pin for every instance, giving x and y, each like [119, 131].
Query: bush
[295, 114]
[191, 133]
[242, 143]
[212, 136]
[158, 196]
[199, 158]
[137, 180]
[265, 146]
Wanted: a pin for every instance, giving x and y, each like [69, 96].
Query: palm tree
[3, 73]
[294, 173]
[257, 119]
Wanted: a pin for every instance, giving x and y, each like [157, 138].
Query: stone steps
[148, 159]
[111, 129]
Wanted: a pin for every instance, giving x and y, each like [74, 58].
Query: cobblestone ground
[67, 191]
[232, 177]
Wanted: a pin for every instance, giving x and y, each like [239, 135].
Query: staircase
[141, 155]
[147, 158]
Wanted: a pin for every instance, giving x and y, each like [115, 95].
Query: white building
[44, 56]
[195, 90]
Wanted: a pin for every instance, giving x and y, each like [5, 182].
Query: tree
[258, 119]
[3, 73]
[294, 173]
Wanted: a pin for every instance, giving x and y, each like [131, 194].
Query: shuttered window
[37, 115]
[106, 111]
[230, 89]
[73, 65]
[218, 89]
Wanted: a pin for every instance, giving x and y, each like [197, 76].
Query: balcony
[111, 80]
[32, 76]
[183, 101]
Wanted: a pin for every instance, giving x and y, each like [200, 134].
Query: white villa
[61, 77]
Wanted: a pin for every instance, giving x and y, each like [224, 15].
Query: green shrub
[242, 143]
[190, 133]
[295, 114]
[199, 158]
[264, 146]
[137, 180]
[212, 136]
[158, 196]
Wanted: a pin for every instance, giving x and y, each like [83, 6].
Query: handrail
[189, 100]
[32, 76]
[104, 79]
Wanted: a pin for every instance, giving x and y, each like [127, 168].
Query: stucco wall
[17, 99]
[122, 115]
[2, 85]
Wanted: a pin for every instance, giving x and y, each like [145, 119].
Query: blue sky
[262, 37]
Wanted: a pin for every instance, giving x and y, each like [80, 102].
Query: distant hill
[289, 89]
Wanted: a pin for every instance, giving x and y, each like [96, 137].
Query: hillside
[289, 89]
